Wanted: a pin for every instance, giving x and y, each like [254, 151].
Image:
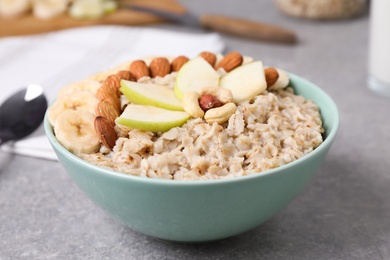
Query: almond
[271, 76]
[115, 102]
[105, 93]
[230, 61]
[159, 67]
[107, 110]
[114, 82]
[210, 57]
[105, 131]
[139, 69]
[178, 62]
[126, 75]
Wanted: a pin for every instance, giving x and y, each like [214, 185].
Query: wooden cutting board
[28, 24]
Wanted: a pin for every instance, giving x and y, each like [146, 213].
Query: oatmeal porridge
[209, 117]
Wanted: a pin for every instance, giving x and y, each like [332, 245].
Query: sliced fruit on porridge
[200, 105]
[245, 82]
[75, 131]
[195, 75]
[151, 118]
[150, 94]
[80, 100]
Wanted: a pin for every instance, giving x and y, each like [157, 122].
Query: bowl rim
[169, 182]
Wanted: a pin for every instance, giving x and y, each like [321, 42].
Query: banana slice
[12, 8]
[75, 131]
[46, 9]
[79, 101]
[84, 85]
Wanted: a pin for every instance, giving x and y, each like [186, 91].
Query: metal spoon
[22, 113]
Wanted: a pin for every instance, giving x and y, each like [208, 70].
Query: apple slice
[195, 75]
[150, 94]
[246, 81]
[151, 118]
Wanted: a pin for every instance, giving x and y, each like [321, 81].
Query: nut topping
[107, 110]
[271, 76]
[230, 61]
[208, 101]
[210, 57]
[159, 67]
[191, 104]
[178, 62]
[215, 102]
[282, 79]
[222, 94]
[105, 131]
[139, 69]
[114, 82]
[105, 93]
[220, 114]
[126, 75]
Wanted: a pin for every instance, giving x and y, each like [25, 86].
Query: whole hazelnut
[208, 101]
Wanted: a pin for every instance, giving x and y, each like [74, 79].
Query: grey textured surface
[343, 214]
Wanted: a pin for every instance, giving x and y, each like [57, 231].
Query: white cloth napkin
[56, 59]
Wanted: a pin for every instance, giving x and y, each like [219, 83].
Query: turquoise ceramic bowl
[201, 211]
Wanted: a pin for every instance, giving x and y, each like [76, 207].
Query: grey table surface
[344, 213]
